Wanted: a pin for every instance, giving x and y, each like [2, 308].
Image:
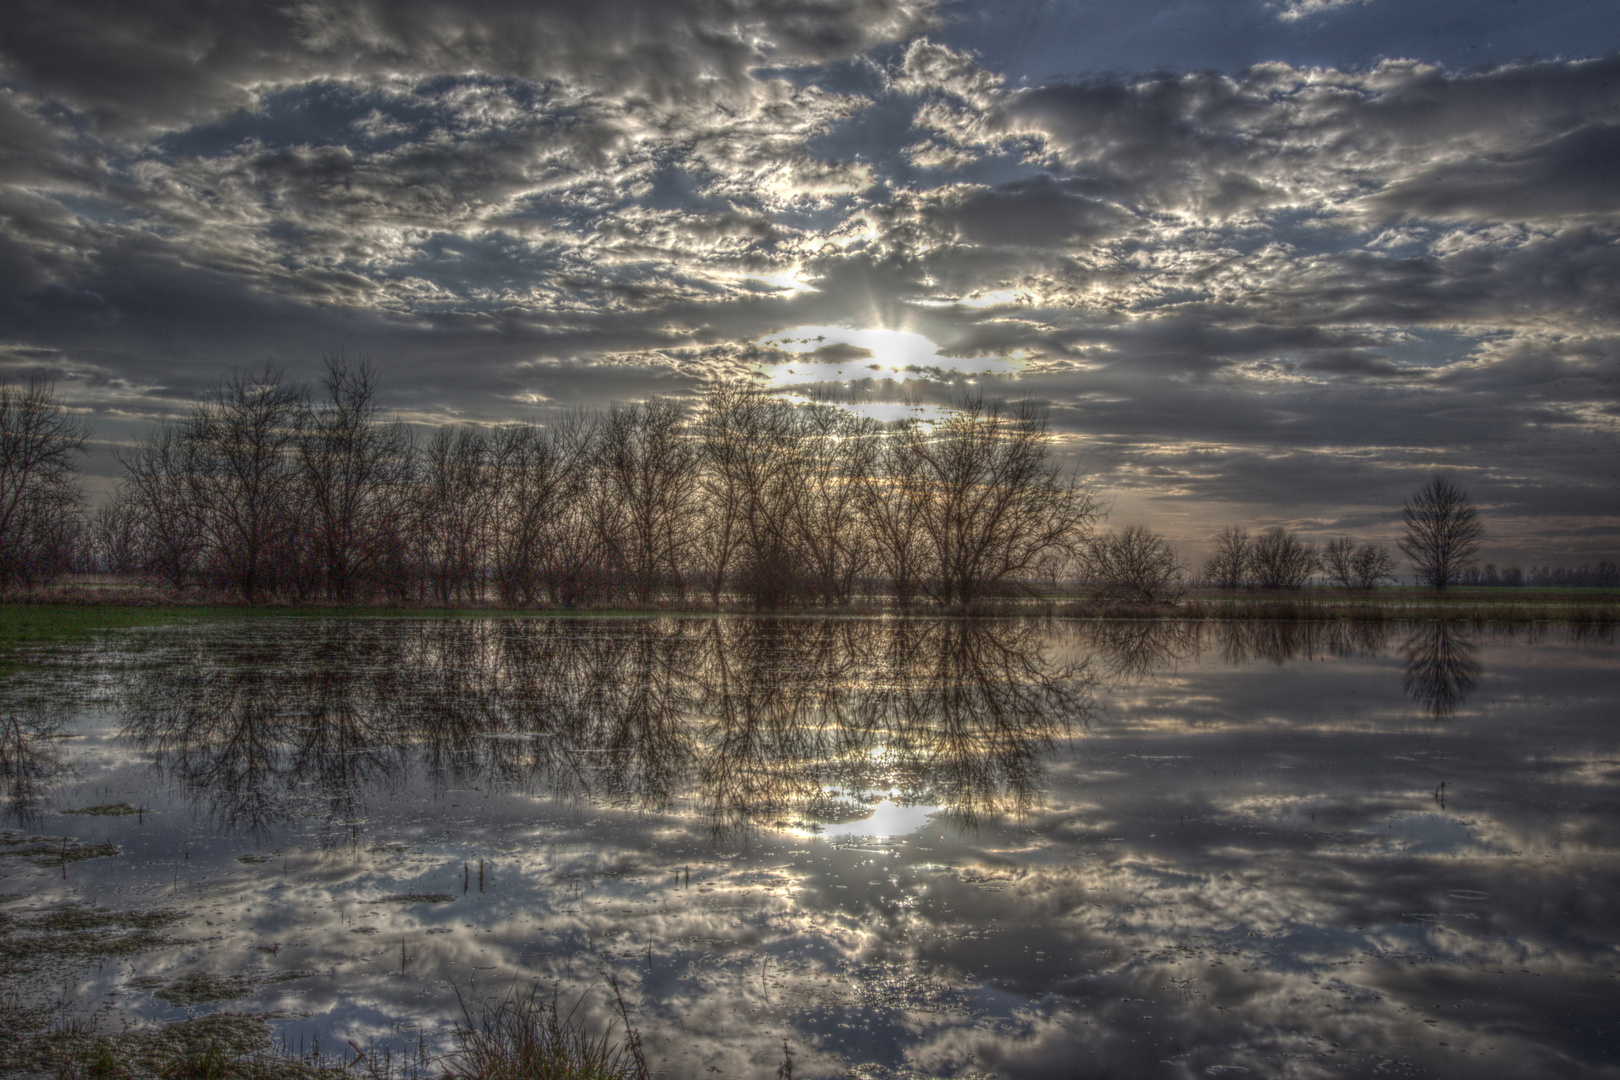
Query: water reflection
[32, 762]
[786, 721]
[1442, 666]
[1262, 855]
[797, 722]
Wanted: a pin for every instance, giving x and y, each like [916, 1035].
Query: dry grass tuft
[526, 1038]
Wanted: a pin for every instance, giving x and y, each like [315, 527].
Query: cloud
[135, 67]
[518, 204]
[1576, 174]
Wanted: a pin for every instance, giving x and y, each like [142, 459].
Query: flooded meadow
[899, 847]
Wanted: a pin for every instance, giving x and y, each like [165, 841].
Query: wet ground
[916, 847]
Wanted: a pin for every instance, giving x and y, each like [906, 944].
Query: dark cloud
[1575, 174]
[1232, 282]
[187, 61]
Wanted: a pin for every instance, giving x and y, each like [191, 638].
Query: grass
[526, 1038]
[522, 1038]
[1582, 608]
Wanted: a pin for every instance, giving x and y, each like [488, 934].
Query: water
[904, 847]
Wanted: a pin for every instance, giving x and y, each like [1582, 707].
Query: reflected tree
[746, 719]
[31, 761]
[1442, 667]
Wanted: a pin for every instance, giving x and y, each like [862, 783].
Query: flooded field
[902, 847]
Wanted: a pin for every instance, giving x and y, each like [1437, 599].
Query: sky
[1266, 261]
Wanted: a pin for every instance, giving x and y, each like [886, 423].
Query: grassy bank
[45, 619]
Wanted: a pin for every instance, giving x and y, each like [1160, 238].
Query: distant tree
[540, 475]
[1134, 564]
[115, 538]
[40, 498]
[1354, 567]
[894, 501]
[1229, 566]
[1443, 532]
[1281, 560]
[755, 480]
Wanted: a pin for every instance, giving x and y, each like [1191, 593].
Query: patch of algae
[122, 809]
[225, 1046]
[201, 987]
[40, 945]
[51, 851]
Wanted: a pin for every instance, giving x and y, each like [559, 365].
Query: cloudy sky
[1269, 261]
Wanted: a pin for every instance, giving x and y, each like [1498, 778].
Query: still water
[905, 847]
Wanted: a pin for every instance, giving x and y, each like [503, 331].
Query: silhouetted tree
[1134, 563]
[995, 505]
[722, 486]
[40, 497]
[158, 488]
[650, 470]
[453, 504]
[1355, 567]
[540, 474]
[355, 473]
[894, 502]
[1443, 532]
[1229, 566]
[834, 455]
[243, 475]
[1281, 560]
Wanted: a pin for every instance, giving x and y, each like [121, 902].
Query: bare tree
[722, 485]
[158, 488]
[1229, 566]
[1281, 560]
[1443, 532]
[1134, 564]
[650, 468]
[894, 500]
[752, 461]
[40, 498]
[244, 470]
[539, 474]
[452, 511]
[996, 506]
[355, 472]
[834, 455]
[1354, 567]
[115, 537]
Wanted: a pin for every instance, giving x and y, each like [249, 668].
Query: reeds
[526, 1038]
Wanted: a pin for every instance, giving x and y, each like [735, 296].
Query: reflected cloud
[906, 846]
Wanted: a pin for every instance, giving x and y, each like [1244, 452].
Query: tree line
[1441, 534]
[267, 490]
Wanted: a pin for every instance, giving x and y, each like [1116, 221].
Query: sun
[844, 354]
